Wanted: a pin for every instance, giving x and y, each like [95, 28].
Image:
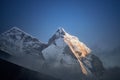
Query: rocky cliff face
[65, 57]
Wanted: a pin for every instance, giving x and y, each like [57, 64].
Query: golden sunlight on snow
[78, 48]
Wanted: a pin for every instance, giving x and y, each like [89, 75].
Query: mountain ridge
[63, 53]
[22, 41]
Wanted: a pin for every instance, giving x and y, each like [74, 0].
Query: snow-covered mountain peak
[16, 40]
[16, 32]
[13, 30]
[61, 31]
[16, 28]
[72, 41]
[60, 40]
[64, 52]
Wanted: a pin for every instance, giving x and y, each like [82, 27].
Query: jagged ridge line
[23, 32]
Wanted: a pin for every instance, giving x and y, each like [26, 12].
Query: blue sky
[95, 22]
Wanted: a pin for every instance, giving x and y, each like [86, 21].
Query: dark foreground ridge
[10, 71]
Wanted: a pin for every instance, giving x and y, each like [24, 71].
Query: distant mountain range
[63, 57]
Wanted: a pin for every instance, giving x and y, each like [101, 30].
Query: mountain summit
[67, 49]
[17, 40]
[61, 31]
[59, 34]
[64, 56]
